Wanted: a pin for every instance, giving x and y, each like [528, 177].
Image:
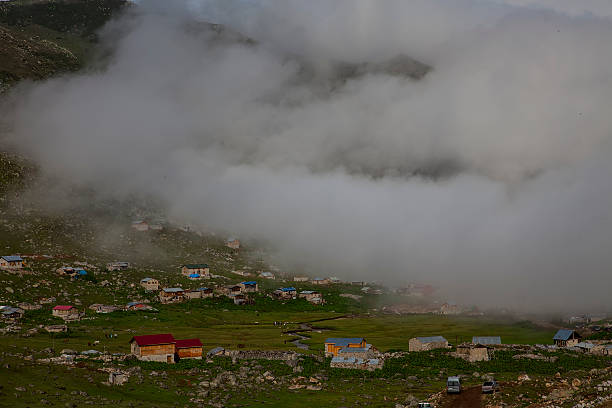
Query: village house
[100, 308]
[473, 353]
[11, 313]
[199, 293]
[320, 281]
[154, 347]
[71, 272]
[157, 225]
[11, 262]
[249, 287]
[117, 266]
[138, 307]
[312, 296]
[450, 309]
[149, 284]
[266, 275]
[427, 343]
[486, 340]
[171, 295]
[233, 243]
[140, 225]
[334, 345]
[300, 278]
[242, 273]
[29, 306]
[239, 299]
[189, 349]
[56, 328]
[231, 290]
[66, 312]
[202, 270]
[566, 338]
[334, 279]
[285, 293]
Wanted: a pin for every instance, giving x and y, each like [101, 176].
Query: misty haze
[427, 157]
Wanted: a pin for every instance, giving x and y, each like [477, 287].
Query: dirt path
[469, 398]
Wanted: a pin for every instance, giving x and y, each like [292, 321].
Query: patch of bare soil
[468, 398]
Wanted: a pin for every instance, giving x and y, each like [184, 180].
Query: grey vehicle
[490, 387]
[453, 385]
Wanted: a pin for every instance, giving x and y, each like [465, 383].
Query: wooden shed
[154, 347]
[189, 348]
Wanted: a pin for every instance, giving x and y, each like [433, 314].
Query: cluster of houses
[165, 348]
[317, 281]
[352, 353]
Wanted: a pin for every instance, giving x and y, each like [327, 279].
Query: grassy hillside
[39, 39]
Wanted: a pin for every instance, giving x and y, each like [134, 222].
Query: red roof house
[189, 348]
[65, 312]
[153, 339]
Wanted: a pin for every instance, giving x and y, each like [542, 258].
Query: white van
[453, 385]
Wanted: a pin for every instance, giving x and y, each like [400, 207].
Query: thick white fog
[490, 176]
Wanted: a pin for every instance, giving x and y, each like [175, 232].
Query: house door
[169, 359]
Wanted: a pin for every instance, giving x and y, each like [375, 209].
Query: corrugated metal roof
[486, 340]
[196, 266]
[63, 307]
[215, 351]
[12, 258]
[188, 343]
[344, 341]
[349, 360]
[585, 345]
[153, 339]
[249, 283]
[173, 290]
[308, 292]
[146, 279]
[289, 289]
[431, 339]
[563, 334]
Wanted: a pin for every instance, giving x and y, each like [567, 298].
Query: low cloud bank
[489, 176]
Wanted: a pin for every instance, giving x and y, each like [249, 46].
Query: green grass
[392, 332]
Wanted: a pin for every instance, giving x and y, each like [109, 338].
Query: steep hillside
[39, 39]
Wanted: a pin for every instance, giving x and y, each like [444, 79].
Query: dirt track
[469, 398]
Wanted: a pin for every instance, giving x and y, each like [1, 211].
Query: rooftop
[153, 339]
[63, 307]
[563, 334]
[431, 339]
[486, 340]
[196, 266]
[173, 290]
[12, 258]
[188, 343]
[344, 341]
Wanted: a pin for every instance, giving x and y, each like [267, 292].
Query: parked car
[490, 386]
[425, 405]
[453, 385]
